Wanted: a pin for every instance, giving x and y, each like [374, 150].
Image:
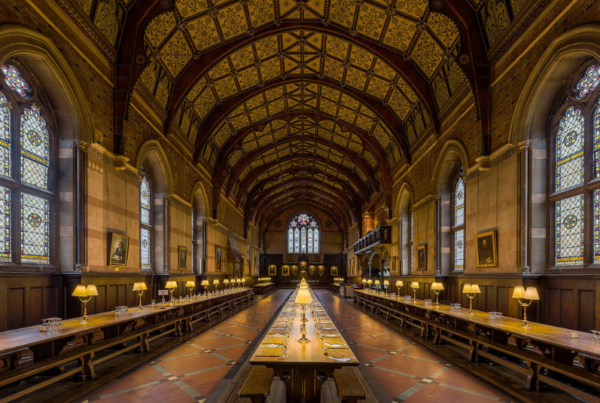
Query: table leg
[303, 384]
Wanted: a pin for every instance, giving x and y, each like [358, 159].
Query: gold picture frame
[118, 249]
[294, 270]
[321, 270]
[486, 255]
[312, 270]
[334, 270]
[182, 252]
[272, 270]
[422, 257]
[218, 259]
[285, 271]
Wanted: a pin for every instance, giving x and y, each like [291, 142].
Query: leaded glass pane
[297, 240]
[35, 229]
[589, 82]
[291, 240]
[459, 203]
[12, 77]
[597, 141]
[145, 202]
[411, 226]
[310, 241]
[4, 136]
[459, 250]
[569, 231]
[569, 150]
[410, 264]
[193, 237]
[35, 146]
[145, 242]
[597, 226]
[303, 240]
[316, 238]
[5, 233]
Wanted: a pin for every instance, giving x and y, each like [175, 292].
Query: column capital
[80, 144]
[524, 145]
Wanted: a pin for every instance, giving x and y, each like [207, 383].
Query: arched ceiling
[262, 90]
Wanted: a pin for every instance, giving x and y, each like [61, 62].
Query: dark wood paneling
[567, 304]
[16, 308]
[587, 318]
[36, 306]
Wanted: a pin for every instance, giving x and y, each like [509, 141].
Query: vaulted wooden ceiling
[342, 91]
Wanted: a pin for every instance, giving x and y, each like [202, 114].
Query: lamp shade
[369, 281]
[518, 292]
[225, 281]
[377, 282]
[471, 289]
[437, 286]
[532, 293]
[399, 283]
[190, 284]
[243, 280]
[139, 287]
[303, 297]
[386, 282]
[204, 283]
[171, 284]
[80, 291]
[91, 290]
[215, 282]
[414, 284]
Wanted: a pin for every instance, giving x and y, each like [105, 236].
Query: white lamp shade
[215, 282]
[171, 284]
[414, 284]
[386, 282]
[225, 281]
[204, 283]
[139, 287]
[399, 283]
[471, 289]
[437, 286]
[377, 282]
[532, 293]
[519, 292]
[364, 280]
[369, 281]
[303, 297]
[190, 284]
[91, 290]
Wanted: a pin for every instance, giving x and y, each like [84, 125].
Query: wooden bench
[258, 384]
[349, 387]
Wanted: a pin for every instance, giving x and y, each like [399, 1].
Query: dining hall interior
[250, 201]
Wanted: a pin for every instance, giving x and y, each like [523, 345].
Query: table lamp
[437, 287]
[377, 286]
[386, 283]
[216, 284]
[190, 285]
[369, 282]
[303, 298]
[226, 284]
[204, 284]
[415, 286]
[171, 285]
[364, 283]
[243, 283]
[140, 288]
[531, 294]
[85, 295]
[471, 290]
[398, 285]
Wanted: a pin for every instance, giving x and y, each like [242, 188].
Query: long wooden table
[263, 288]
[547, 350]
[27, 351]
[306, 367]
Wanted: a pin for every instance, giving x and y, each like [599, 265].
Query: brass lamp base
[525, 325]
[303, 340]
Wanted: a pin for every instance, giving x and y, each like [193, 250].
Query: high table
[263, 288]
[306, 367]
[542, 347]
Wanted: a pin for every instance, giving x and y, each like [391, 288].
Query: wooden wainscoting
[571, 301]
[26, 299]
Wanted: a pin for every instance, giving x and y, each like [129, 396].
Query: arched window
[303, 235]
[410, 241]
[26, 181]
[146, 229]
[576, 166]
[458, 227]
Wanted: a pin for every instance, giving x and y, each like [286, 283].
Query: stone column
[523, 206]
[80, 176]
[166, 233]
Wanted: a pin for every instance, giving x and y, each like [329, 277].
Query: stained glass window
[12, 77]
[145, 242]
[4, 136]
[597, 226]
[410, 243]
[569, 150]
[5, 227]
[459, 250]
[145, 201]
[459, 203]
[303, 234]
[597, 142]
[589, 82]
[35, 229]
[35, 147]
[193, 238]
[570, 231]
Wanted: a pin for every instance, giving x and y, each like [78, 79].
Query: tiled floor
[191, 371]
[407, 372]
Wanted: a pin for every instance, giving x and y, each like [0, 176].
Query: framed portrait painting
[272, 270]
[218, 259]
[321, 270]
[182, 252]
[118, 249]
[486, 249]
[422, 257]
[334, 270]
[312, 270]
[294, 270]
[285, 270]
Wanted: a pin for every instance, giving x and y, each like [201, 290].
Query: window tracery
[303, 234]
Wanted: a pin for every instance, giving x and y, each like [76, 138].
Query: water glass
[153, 302]
[426, 302]
[595, 336]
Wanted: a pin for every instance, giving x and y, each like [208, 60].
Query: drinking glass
[153, 302]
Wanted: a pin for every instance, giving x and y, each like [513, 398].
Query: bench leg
[87, 368]
[533, 382]
[144, 343]
[473, 357]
